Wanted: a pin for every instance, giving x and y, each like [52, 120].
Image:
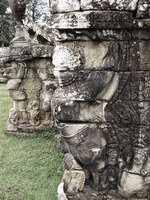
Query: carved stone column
[27, 66]
[102, 106]
[31, 85]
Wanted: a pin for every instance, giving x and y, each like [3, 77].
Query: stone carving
[31, 86]
[101, 105]
[46, 97]
[34, 113]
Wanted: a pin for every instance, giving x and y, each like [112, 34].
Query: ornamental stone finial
[18, 8]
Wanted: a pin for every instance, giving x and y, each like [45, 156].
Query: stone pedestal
[101, 106]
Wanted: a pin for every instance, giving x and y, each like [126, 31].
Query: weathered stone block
[64, 6]
[133, 86]
[81, 112]
[99, 55]
[127, 113]
[95, 35]
[94, 55]
[91, 19]
[109, 4]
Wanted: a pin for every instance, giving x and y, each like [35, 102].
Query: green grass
[30, 168]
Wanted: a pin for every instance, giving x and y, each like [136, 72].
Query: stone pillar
[102, 106]
[27, 66]
[31, 85]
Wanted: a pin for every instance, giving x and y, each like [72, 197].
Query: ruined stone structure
[101, 106]
[27, 65]
[102, 62]
[30, 84]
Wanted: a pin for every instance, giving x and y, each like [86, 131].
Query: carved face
[65, 76]
[66, 61]
[87, 142]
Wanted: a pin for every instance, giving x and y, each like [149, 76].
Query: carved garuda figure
[102, 104]
[80, 118]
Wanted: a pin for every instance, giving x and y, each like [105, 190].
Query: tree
[40, 10]
[3, 6]
[6, 24]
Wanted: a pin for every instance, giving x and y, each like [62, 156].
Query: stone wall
[101, 106]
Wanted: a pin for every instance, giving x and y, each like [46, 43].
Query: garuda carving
[105, 158]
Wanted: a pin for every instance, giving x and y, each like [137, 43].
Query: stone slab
[130, 5]
[93, 19]
[131, 86]
[58, 6]
[64, 6]
[118, 113]
[100, 55]
[25, 53]
[141, 7]
[108, 55]
[95, 35]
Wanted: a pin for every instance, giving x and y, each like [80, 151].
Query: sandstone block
[109, 4]
[93, 19]
[65, 5]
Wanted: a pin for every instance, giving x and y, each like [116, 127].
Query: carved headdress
[67, 57]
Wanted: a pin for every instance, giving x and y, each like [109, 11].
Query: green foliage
[6, 24]
[30, 168]
[6, 29]
[3, 6]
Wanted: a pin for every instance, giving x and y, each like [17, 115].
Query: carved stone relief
[31, 85]
[101, 105]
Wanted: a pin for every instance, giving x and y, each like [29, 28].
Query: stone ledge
[93, 19]
[76, 5]
[139, 7]
[25, 53]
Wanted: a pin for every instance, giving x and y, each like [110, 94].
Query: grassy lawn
[30, 168]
